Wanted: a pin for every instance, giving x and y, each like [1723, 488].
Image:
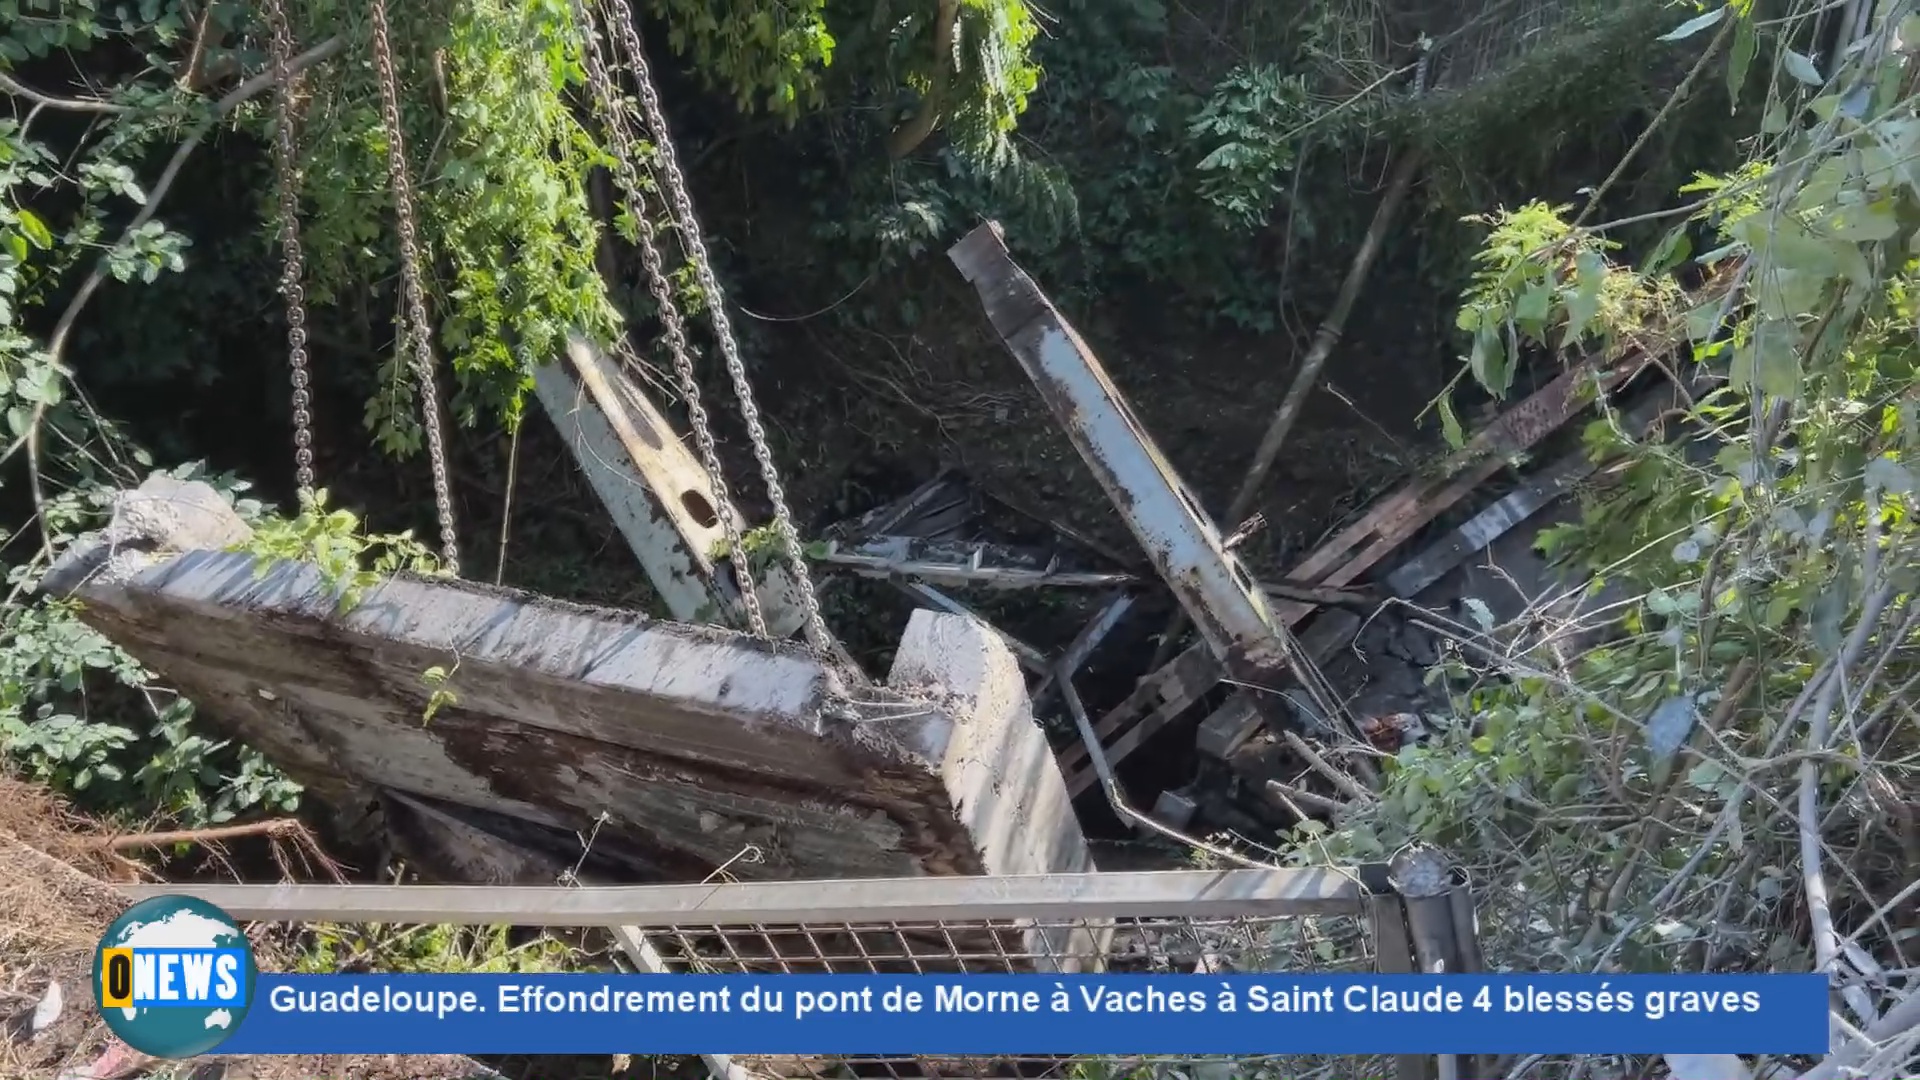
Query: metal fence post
[1440, 921]
[1392, 951]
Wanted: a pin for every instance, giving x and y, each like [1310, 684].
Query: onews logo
[171, 978]
[174, 976]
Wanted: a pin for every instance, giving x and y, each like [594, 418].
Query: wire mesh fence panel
[1325, 920]
[1134, 945]
[1159, 944]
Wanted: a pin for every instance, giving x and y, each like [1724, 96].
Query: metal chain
[293, 272]
[414, 304]
[696, 248]
[613, 114]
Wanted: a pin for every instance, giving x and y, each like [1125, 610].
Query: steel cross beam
[1185, 547]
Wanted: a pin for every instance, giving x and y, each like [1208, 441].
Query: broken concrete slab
[999, 770]
[697, 744]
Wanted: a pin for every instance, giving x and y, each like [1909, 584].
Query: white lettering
[169, 966]
[197, 969]
[144, 975]
[227, 977]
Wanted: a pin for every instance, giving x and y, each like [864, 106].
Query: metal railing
[1369, 918]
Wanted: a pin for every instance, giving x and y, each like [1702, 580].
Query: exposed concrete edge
[999, 770]
[698, 668]
[156, 541]
[1000, 773]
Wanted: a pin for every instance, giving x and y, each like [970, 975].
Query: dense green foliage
[509, 243]
[1739, 756]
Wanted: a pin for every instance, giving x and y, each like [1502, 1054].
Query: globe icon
[176, 922]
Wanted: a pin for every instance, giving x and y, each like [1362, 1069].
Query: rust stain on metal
[1183, 544]
[1379, 532]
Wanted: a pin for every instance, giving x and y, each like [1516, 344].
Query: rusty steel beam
[1173, 688]
[1183, 544]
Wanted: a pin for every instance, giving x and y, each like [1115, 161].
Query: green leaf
[1694, 25]
[1450, 427]
[36, 230]
[1703, 322]
[1744, 46]
[1802, 69]
[1863, 223]
[1828, 610]
[1673, 250]
[1488, 360]
[1886, 474]
[1785, 294]
[1481, 614]
[1822, 189]
[1590, 271]
[1533, 305]
[1769, 363]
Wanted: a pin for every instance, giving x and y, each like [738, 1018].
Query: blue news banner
[1034, 1014]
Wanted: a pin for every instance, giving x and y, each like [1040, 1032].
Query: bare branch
[90, 105]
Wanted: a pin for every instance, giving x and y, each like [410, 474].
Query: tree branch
[19, 89]
[233, 99]
[57, 342]
[911, 134]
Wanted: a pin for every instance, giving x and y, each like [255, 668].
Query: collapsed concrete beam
[1186, 548]
[697, 744]
[656, 491]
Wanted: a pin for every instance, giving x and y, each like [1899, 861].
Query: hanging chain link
[613, 114]
[414, 324]
[623, 24]
[293, 273]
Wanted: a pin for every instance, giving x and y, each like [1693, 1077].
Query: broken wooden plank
[1541, 490]
[1222, 732]
[697, 743]
[1183, 678]
[1183, 544]
[658, 494]
[1395, 519]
